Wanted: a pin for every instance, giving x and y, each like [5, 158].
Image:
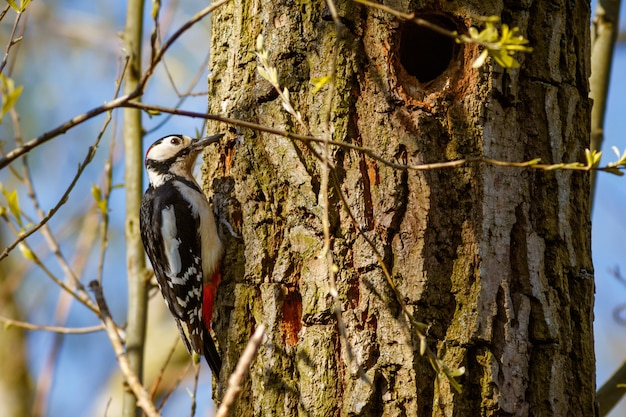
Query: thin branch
[64, 198]
[108, 179]
[612, 391]
[12, 41]
[142, 396]
[170, 41]
[83, 297]
[174, 386]
[159, 377]
[194, 392]
[429, 25]
[534, 164]
[55, 329]
[324, 183]
[235, 380]
[75, 121]
[186, 94]
[81, 118]
[4, 11]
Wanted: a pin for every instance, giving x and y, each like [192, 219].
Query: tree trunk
[15, 385]
[495, 260]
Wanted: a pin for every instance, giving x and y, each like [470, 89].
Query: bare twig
[184, 95]
[159, 377]
[175, 385]
[12, 41]
[43, 219]
[55, 329]
[52, 212]
[4, 11]
[141, 394]
[235, 380]
[166, 45]
[108, 177]
[425, 23]
[83, 297]
[532, 164]
[113, 104]
[194, 392]
[75, 121]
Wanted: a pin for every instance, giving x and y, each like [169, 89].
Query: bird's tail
[211, 355]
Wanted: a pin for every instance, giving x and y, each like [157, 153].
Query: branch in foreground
[613, 168]
[241, 370]
[142, 395]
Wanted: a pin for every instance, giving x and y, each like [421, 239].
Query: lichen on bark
[495, 260]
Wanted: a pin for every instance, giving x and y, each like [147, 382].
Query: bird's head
[174, 155]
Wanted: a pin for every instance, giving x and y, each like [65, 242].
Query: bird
[180, 237]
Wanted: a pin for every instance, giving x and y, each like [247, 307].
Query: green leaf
[26, 252]
[156, 6]
[320, 82]
[454, 383]
[480, 61]
[259, 43]
[21, 7]
[10, 94]
[263, 73]
[96, 192]
[456, 372]
[14, 204]
[621, 158]
[499, 46]
[13, 5]
[593, 158]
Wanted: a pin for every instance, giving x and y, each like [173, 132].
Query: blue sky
[609, 229]
[68, 62]
[67, 75]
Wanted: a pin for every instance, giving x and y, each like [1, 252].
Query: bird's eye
[175, 140]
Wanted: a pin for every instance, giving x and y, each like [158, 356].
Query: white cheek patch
[162, 151]
[170, 240]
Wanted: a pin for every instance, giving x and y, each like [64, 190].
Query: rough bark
[495, 260]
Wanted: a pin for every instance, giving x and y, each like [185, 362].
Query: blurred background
[68, 61]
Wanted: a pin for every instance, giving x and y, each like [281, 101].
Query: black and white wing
[171, 237]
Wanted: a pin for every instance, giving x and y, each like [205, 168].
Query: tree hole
[424, 53]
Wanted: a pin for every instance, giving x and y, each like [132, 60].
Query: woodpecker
[180, 237]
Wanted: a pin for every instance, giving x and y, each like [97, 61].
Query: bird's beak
[205, 141]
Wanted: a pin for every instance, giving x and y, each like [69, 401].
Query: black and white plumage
[180, 238]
